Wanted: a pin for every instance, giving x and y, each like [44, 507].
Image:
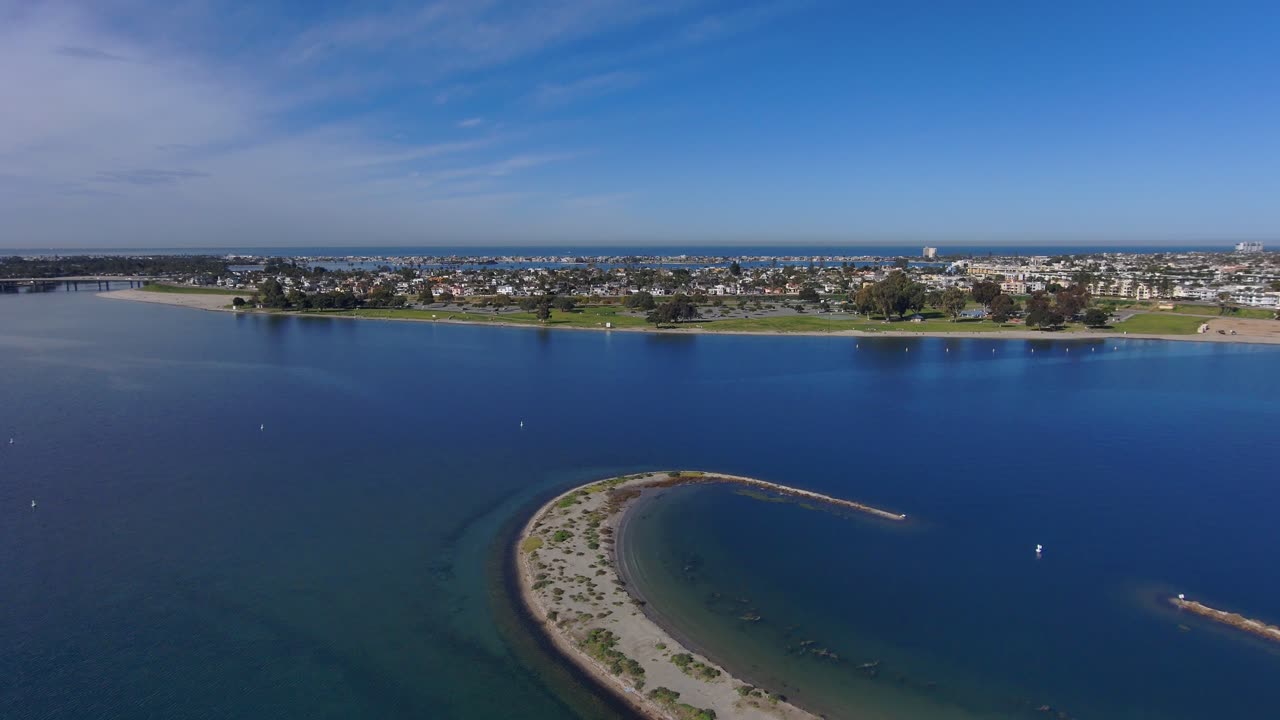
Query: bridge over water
[72, 283]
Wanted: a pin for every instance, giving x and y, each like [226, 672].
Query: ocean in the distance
[570, 249]
[346, 561]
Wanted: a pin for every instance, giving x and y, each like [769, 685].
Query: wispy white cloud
[452, 93]
[95, 146]
[738, 20]
[148, 176]
[126, 124]
[452, 35]
[85, 53]
[592, 85]
[598, 201]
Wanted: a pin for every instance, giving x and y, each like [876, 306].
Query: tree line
[1047, 309]
[56, 267]
[271, 294]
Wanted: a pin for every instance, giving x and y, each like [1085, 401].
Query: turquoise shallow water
[346, 561]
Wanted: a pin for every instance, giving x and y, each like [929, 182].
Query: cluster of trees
[999, 307]
[384, 297]
[678, 309]
[898, 294]
[1047, 310]
[642, 301]
[895, 295]
[541, 305]
[272, 294]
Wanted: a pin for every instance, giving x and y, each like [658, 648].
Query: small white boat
[263, 426]
[1039, 549]
[33, 503]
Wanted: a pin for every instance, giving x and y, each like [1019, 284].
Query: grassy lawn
[410, 314]
[587, 317]
[597, 316]
[590, 316]
[1114, 303]
[195, 290]
[1159, 324]
[1212, 311]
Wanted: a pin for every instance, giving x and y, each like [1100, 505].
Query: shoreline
[218, 303]
[568, 560]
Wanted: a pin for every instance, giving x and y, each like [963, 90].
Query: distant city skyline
[596, 123]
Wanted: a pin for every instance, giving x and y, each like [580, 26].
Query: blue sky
[202, 123]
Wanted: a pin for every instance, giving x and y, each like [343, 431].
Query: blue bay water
[345, 560]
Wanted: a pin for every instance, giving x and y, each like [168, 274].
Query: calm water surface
[345, 561]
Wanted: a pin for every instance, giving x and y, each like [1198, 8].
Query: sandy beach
[188, 300]
[569, 578]
[1248, 331]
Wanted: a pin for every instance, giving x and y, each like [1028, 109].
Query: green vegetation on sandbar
[195, 290]
[531, 543]
[606, 484]
[1159, 324]
[669, 700]
[570, 500]
[600, 643]
[693, 668]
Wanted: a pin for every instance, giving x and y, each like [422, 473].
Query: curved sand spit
[569, 580]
